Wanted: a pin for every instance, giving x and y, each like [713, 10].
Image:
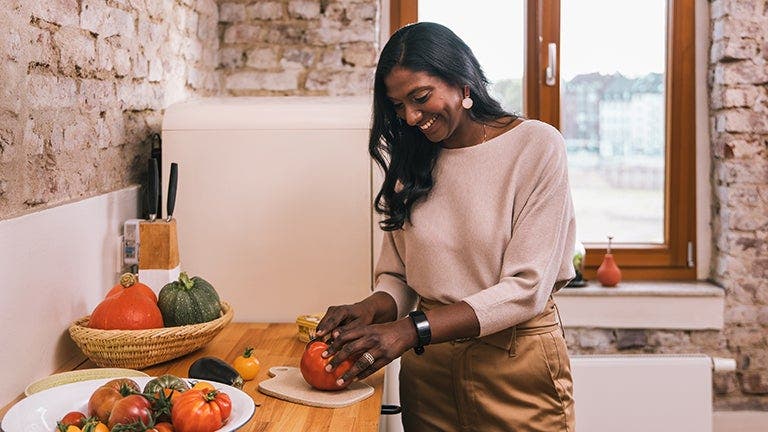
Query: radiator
[657, 393]
[627, 393]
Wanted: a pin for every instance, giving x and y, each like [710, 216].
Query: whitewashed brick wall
[739, 131]
[82, 87]
[298, 47]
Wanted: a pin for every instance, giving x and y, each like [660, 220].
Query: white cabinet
[274, 200]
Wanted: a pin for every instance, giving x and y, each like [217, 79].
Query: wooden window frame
[674, 259]
[402, 12]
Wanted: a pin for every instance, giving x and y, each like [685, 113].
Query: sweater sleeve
[537, 258]
[389, 276]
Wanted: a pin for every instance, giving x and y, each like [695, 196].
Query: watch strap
[423, 330]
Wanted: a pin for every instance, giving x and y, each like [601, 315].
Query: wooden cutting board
[288, 384]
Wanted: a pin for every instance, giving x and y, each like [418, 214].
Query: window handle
[551, 71]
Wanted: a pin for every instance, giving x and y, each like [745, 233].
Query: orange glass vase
[609, 273]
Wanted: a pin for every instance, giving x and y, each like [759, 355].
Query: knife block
[159, 261]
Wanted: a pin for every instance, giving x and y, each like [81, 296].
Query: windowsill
[643, 305]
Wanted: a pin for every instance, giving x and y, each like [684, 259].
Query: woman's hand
[374, 346]
[339, 318]
[367, 331]
[378, 307]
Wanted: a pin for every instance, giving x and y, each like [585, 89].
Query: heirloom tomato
[162, 391]
[313, 368]
[130, 409]
[104, 398]
[165, 382]
[200, 411]
[121, 383]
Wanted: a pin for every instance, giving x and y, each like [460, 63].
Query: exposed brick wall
[82, 87]
[84, 82]
[739, 132]
[298, 47]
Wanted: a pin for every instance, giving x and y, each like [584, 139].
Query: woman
[479, 231]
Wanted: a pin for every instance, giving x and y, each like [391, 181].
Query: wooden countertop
[274, 345]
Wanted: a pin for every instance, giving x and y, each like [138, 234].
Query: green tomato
[165, 382]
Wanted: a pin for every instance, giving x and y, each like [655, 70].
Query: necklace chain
[485, 134]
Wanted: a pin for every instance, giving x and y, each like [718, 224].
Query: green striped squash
[188, 301]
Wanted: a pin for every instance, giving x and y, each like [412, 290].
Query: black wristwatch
[423, 331]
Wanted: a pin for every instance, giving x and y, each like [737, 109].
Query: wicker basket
[137, 349]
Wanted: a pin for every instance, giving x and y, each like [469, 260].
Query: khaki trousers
[518, 379]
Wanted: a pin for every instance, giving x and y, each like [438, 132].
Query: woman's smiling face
[426, 102]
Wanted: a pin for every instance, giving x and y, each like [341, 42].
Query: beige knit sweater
[496, 231]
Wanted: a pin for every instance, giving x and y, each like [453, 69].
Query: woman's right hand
[338, 318]
[378, 307]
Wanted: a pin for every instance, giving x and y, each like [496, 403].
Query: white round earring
[467, 102]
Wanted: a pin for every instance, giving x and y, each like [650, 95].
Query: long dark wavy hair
[402, 151]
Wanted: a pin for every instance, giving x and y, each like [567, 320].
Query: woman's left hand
[374, 346]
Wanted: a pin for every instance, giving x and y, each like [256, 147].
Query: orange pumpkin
[127, 309]
[129, 282]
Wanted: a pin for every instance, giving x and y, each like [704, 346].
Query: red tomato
[197, 411]
[73, 418]
[313, 368]
[130, 409]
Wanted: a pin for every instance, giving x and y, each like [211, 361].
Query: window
[622, 98]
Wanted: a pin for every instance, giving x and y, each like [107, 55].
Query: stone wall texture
[298, 47]
[83, 84]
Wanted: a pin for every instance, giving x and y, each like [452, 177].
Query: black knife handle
[172, 180]
[153, 188]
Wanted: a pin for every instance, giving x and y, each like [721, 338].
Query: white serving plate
[40, 411]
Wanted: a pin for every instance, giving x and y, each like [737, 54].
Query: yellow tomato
[203, 386]
[247, 365]
[164, 426]
[100, 427]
